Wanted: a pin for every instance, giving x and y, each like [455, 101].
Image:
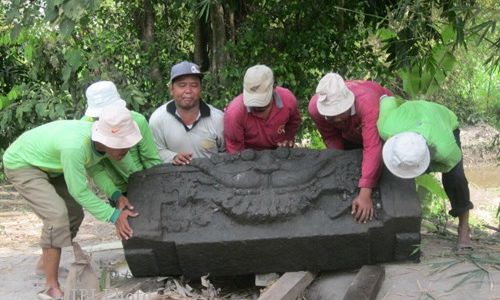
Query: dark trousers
[456, 186]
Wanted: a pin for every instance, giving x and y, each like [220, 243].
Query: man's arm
[294, 122]
[331, 136]
[73, 161]
[103, 181]
[295, 119]
[233, 130]
[148, 152]
[388, 104]
[384, 91]
[371, 164]
[155, 124]
[219, 128]
[372, 144]
[74, 174]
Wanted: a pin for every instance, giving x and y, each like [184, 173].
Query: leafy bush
[472, 90]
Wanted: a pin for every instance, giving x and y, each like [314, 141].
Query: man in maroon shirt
[263, 116]
[346, 115]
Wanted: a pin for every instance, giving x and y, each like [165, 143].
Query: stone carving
[268, 186]
[247, 213]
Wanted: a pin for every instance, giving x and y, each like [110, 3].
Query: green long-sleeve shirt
[433, 121]
[63, 147]
[111, 176]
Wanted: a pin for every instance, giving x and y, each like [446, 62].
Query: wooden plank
[289, 287]
[366, 284]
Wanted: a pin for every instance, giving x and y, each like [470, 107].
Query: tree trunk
[218, 56]
[231, 24]
[201, 32]
[147, 34]
[145, 22]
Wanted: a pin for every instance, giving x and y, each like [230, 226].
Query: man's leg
[463, 231]
[33, 184]
[75, 214]
[456, 187]
[75, 210]
[51, 260]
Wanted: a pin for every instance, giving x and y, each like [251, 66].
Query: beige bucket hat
[334, 97]
[115, 128]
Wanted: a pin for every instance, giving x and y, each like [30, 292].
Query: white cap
[334, 97]
[115, 128]
[100, 95]
[258, 86]
[406, 154]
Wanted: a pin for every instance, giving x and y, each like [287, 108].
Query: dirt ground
[440, 275]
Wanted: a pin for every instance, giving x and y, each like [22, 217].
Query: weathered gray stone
[266, 211]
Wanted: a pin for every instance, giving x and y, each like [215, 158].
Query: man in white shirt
[186, 127]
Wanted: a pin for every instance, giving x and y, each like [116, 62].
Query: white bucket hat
[334, 97]
[406, 155]
[100, 95]
[115, 128]
[258, 86]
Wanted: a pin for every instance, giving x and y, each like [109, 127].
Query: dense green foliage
[472, 89]
[52, 50]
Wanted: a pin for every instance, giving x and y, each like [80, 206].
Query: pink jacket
[243, 130]
[361, 128]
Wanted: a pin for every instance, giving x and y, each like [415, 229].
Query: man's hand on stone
[182, 158]
[362, 206]
[123, 203]
[288, 144]
[123, 229]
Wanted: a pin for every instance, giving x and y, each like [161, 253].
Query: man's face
[186, 91]
[116, 154]
[340, 121]
[261, 111]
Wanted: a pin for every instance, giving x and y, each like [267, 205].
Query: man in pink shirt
[263, 116]
[346, 115]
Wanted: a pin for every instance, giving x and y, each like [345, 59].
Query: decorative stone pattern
[266, 211]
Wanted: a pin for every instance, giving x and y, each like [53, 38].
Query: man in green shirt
[48, 166]
[111, 176]
[424, 136]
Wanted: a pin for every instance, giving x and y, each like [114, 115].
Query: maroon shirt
[244, 130]
[360, 128]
